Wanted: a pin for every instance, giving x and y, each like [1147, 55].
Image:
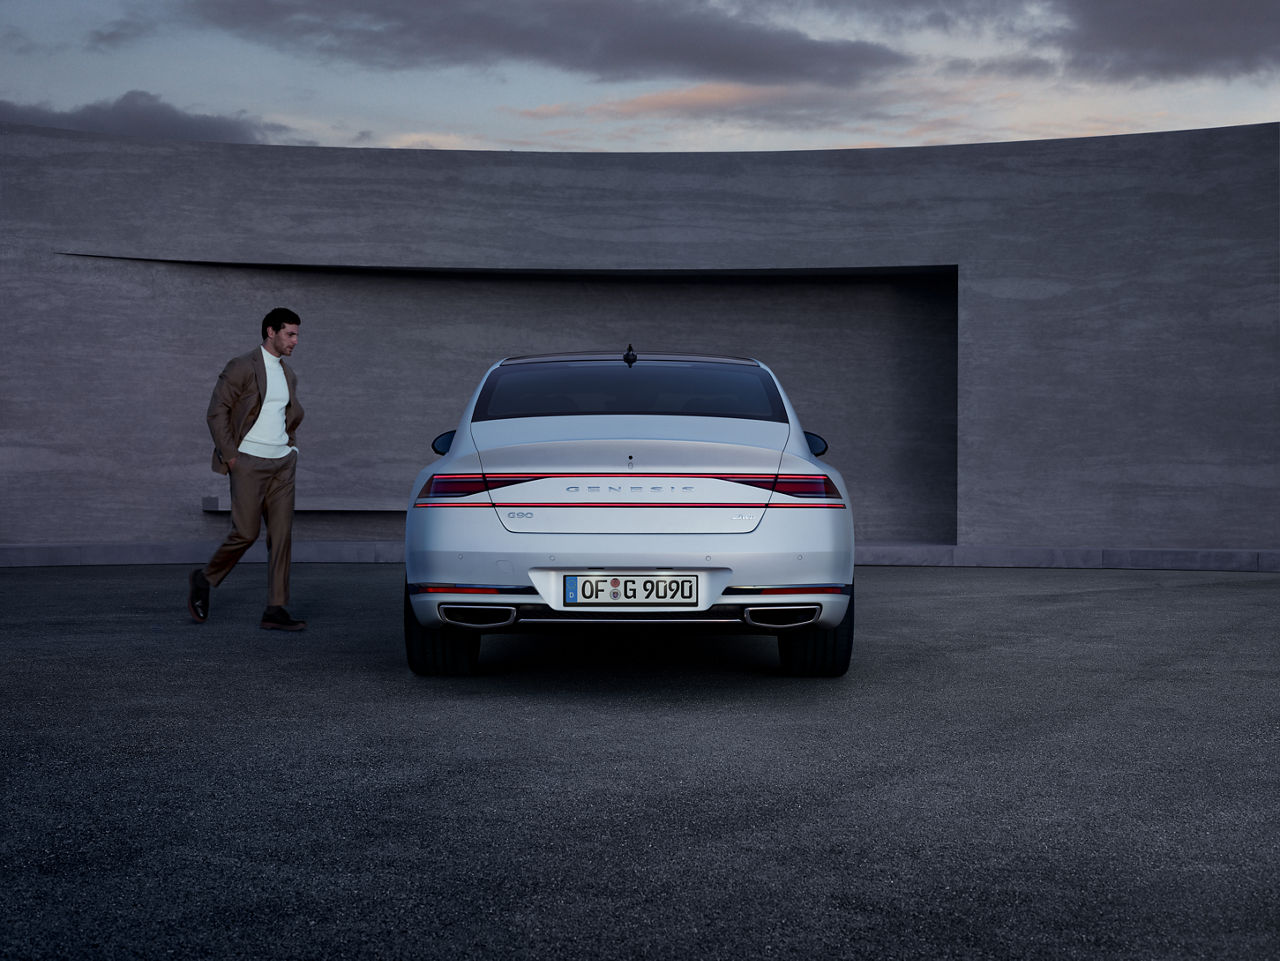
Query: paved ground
[1021, 764]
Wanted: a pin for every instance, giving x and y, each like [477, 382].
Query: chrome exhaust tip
[781, 618]
[477, 615]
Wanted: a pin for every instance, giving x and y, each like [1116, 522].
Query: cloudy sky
[623, 75]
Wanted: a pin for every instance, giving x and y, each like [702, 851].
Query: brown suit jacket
[237, 402]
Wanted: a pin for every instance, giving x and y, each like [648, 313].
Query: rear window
[680, 388]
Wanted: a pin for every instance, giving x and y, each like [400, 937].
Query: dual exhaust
[496, 616]
[780, 618]
[481, 616]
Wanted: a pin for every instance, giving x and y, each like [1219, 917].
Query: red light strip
[774, 505]
[451, 589]
[740, 478]
[802, 590]
[737, 478]
[468, 485]
[579, 505]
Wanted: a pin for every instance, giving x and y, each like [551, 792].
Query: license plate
[631, 590]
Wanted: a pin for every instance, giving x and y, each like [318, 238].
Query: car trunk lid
[684, 475]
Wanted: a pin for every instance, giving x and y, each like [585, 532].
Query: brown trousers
[260, 489]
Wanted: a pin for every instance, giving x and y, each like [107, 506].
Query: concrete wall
[1048, 352]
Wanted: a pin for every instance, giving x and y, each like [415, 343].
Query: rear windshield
[690, 389]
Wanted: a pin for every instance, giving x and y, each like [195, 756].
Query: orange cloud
[701, 100]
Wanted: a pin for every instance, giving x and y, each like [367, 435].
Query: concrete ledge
[905, 555]
[869, 555]
[1030, 557]
[316, 505]
[1183, 560]
[1146, 559]
[306, 552]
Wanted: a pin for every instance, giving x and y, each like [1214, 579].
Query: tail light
[763, 481]
[452, 485]
[806, 485]
[464, 485]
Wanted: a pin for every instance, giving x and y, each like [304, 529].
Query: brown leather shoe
[278, 619]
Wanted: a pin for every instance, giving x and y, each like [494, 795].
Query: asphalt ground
[1020, 764]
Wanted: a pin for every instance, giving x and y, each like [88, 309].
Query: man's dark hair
[276, 319]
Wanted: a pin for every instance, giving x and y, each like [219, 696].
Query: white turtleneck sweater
[268, 437]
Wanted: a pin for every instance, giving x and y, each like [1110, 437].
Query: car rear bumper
[509, 615]
[794, 570]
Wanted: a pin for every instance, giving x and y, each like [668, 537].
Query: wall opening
[869, 358]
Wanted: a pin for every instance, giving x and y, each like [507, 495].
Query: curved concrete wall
[1022, 353]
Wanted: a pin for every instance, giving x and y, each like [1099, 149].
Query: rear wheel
[818, 651]
[438, 650]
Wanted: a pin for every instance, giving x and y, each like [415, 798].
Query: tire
[435, 651]
[818, 651]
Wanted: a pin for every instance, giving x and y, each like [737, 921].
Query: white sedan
[616, 489]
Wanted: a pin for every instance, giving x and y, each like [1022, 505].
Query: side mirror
[442, 443]
[817, 446]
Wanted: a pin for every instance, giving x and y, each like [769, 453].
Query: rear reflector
[470, 589]
[450, 589]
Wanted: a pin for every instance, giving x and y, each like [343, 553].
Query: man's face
[281, 342]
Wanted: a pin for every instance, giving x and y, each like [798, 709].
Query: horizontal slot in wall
[868, 359]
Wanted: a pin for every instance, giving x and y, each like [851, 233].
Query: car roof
[641, 356]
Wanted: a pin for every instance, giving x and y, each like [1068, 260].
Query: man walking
[253, 416]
